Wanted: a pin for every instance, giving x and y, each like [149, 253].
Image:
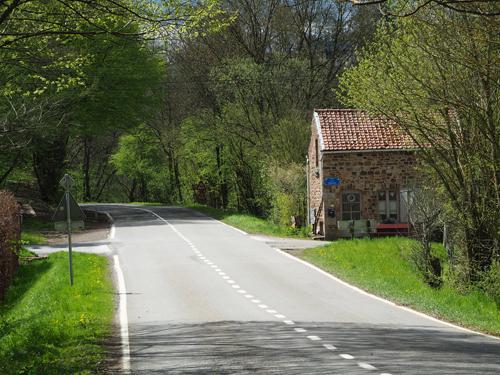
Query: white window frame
[386, 201]
[351, 211]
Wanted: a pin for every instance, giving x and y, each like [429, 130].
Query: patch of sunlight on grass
[47, 326]
[383, 267]
[33, 238]
[250, 223]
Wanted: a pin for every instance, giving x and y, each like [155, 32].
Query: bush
[10, 233]
[490, 282]
[288, 192]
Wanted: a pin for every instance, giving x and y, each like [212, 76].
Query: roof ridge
[338, 110]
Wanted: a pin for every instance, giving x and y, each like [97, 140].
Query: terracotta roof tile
[352, 129]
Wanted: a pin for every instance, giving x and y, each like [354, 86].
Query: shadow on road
[127, 216]
[230, 347]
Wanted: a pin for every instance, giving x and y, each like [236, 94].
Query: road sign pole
[68, 218]
[67, 201]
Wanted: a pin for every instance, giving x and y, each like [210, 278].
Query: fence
[10, 232]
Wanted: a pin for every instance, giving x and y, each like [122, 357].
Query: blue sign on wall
[332, 181]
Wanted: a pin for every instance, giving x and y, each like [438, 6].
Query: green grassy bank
[48, 327]
[383, 267]
[32, 229]
[250, 223]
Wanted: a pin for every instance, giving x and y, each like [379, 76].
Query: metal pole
[68, 220]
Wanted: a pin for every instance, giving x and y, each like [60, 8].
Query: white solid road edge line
[230, 226]
[338, 280]
[227, 225]
[165, 221]
[162, 219]
[122, 291]
[380, 298]
[351, 286]
[112, 232]
[122, 304]
[374, 296]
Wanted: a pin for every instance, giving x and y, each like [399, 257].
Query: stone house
[360, 174]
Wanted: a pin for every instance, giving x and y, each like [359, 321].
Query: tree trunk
[144, 189]
[11, 167]
[49, 164]
[131, 193]
[87, 148]
[480, 249]
[177, 180]
[223, 188]
[104, 184]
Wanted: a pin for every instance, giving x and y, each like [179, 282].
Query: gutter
[371, 150]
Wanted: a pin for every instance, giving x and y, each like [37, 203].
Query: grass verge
[250, 223]
[48, 327]
[35, 224]
[32, 228]
[383, 267]
[33, 238]
[147, 203]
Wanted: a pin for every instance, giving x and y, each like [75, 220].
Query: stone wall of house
[367, 173]
[315, 192]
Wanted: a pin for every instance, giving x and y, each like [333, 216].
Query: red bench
[399, 229]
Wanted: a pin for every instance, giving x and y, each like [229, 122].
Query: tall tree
[436, 74]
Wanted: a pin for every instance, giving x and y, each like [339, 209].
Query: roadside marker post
[67, 210]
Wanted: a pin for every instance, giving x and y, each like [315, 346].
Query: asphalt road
[204, 298]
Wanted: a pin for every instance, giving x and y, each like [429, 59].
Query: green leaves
[436, 75]
[137, 155]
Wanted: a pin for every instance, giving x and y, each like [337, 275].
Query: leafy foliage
[436, 75]
[144, 100]
[287, 189]
[137, 159]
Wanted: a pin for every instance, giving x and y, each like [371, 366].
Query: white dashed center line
[314, 338]
[346, 356]
[329, 347]
[366, 366]
[235, 286]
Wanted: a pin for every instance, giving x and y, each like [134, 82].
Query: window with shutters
[388, 206]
